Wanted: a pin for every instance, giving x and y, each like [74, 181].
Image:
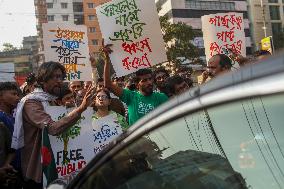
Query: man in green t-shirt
[139, 102]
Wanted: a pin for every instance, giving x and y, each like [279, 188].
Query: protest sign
[7, 72]
[72, 149]
[105, 130]
[79, 144]
[222, 32]
[68, 45]
[133, 27]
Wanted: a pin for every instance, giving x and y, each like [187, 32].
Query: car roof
[253, 71]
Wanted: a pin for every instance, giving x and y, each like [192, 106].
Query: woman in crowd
[102, 103]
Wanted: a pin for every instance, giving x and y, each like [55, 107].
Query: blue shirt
[9, 122]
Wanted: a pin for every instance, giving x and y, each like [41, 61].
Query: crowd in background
[22, 109]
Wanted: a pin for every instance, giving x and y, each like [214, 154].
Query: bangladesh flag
[47, 159]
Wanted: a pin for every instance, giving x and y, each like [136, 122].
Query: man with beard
[160, 76]
[139, 102]
[31, 119]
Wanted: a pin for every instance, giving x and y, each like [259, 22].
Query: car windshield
[235, 145]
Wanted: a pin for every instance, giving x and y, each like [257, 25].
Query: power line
[260, 148]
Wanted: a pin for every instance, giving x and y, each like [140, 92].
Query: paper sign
[68, 45]
[79, 144]
[74, 148]
[105, 130]
[222, 32]
[133, 27]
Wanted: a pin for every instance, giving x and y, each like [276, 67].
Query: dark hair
[7, 86]
[100, 80]
[105, 91]
[261, 53]
[31, 79]
[142, 72]
[172, 81]
[159, 70]
[46, 70]
[225, 61]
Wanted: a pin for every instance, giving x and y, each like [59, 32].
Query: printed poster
[223, 31]
[133, 27]
[68, 45]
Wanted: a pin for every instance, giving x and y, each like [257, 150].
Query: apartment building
[267, 18]
[91, 21]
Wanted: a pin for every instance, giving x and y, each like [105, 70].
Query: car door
[229, 137]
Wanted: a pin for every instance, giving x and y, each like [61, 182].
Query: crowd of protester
[23, 115]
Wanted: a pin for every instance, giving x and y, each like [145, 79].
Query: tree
[178, 37]
[8, 47]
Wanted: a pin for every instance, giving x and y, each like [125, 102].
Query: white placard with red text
[223, 31]
[133, 27]
[68, 45]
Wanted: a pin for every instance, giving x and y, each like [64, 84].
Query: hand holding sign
[88, 99]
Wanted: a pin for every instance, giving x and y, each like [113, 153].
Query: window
[95, 42]
[50, 17]
[64, 5]
[77, 6]
[91, 5]
[92, 29]
[235, 145]
[274, 12]
[78, 19]
[210, 5]
[276, 28]
[49, 5]
[91, 17]
[65, 17]
[272, 1]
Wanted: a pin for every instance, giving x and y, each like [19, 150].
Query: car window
[234, 145]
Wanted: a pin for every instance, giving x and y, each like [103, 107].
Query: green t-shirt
[139, 105]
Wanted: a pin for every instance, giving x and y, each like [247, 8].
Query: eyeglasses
[58, 77]
[103, 97]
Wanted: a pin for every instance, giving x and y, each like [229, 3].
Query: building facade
[92, 23]
[190, 12]
[64, 11]
[267, 18]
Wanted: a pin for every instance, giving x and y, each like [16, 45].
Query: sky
[17, 20]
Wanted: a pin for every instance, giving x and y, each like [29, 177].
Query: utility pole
[263, 17]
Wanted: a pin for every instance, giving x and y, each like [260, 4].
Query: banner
[7, 72]
[133, 27]
[68, 45]
[79, 144]
[222, 32]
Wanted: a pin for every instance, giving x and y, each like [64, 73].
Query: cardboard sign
[222, 32]
[68, 45]
[133, 27]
